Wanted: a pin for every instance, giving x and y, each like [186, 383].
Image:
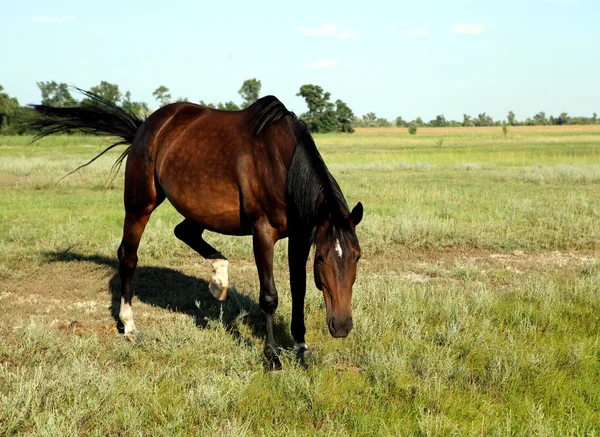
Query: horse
[256, 171]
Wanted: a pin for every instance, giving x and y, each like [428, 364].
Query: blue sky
[418, 58]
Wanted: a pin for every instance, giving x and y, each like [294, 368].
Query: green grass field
[476, 308]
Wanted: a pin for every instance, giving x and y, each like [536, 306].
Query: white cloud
[469, 29]
[417, 32]
[347, 34]
[52, 20]
[325, 63]
[327, 30]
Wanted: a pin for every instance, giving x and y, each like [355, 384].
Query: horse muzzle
[340, 328]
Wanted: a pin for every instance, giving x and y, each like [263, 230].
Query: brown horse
[251, 172]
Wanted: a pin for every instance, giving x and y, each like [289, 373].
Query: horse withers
[251, 172]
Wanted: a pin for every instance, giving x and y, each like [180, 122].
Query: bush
[412, 129]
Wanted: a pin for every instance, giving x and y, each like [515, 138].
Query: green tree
[138, 108]
[594, 118]
[540, 119]
[484, 120]
[400, 122]
[511, 118]
[208, 105]
[419, 122]
[250, 91]
[440, 121]
[370, 119]
[162, 95]
[8, 107]
[467, 121]
[383, 122]
[55, 94]
[107, 90]
[357, 122]
[563, 119]
[321, 115]
[228, 106]
[315, 98]
[344, 115]
[20, 120]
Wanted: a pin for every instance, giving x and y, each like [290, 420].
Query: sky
[394, 58]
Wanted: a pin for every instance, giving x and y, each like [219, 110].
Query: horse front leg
[264, 238]
[190, 233]
[298, 250]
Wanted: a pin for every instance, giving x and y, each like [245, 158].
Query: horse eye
[357, 258]
[319, 258]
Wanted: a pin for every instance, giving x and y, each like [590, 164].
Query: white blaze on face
[338, 248]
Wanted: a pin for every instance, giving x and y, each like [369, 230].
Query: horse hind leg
[190, 233]
[132, 233]
[141, 199]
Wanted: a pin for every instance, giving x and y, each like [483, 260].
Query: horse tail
[95, 115]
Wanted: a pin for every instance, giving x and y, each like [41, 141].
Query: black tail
[96, 116]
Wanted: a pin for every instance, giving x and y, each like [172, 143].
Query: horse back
[215, 168]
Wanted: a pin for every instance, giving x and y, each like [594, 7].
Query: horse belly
[209, 199]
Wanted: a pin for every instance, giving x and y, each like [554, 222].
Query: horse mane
[310, 187]
[267, 111]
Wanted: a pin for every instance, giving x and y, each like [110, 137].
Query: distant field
[480, 130]
[476, 308]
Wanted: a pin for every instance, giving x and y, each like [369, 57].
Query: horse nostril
[347, 325]
[333, 324]
[340, 329]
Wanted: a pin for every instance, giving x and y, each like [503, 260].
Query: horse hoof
[307, 359]
[300, 348]
[132, 336]
[218, 291]
[272, 355]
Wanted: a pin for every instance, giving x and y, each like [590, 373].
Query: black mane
[309, 183]
[310, 187]
[267, 110]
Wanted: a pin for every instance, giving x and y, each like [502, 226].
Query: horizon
[466, 58]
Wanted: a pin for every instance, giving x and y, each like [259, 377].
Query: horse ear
[356, 215]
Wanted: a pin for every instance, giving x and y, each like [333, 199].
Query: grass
[476, 306]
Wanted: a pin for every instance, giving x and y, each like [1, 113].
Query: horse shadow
[175, 291]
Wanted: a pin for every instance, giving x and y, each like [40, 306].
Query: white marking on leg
[126, 316]
[338, 247]
[300, 347]
[220, 280]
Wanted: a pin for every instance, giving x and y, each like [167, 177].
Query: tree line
[323, 115]
[540, 119]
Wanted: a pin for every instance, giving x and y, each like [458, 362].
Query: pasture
[476, 307]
